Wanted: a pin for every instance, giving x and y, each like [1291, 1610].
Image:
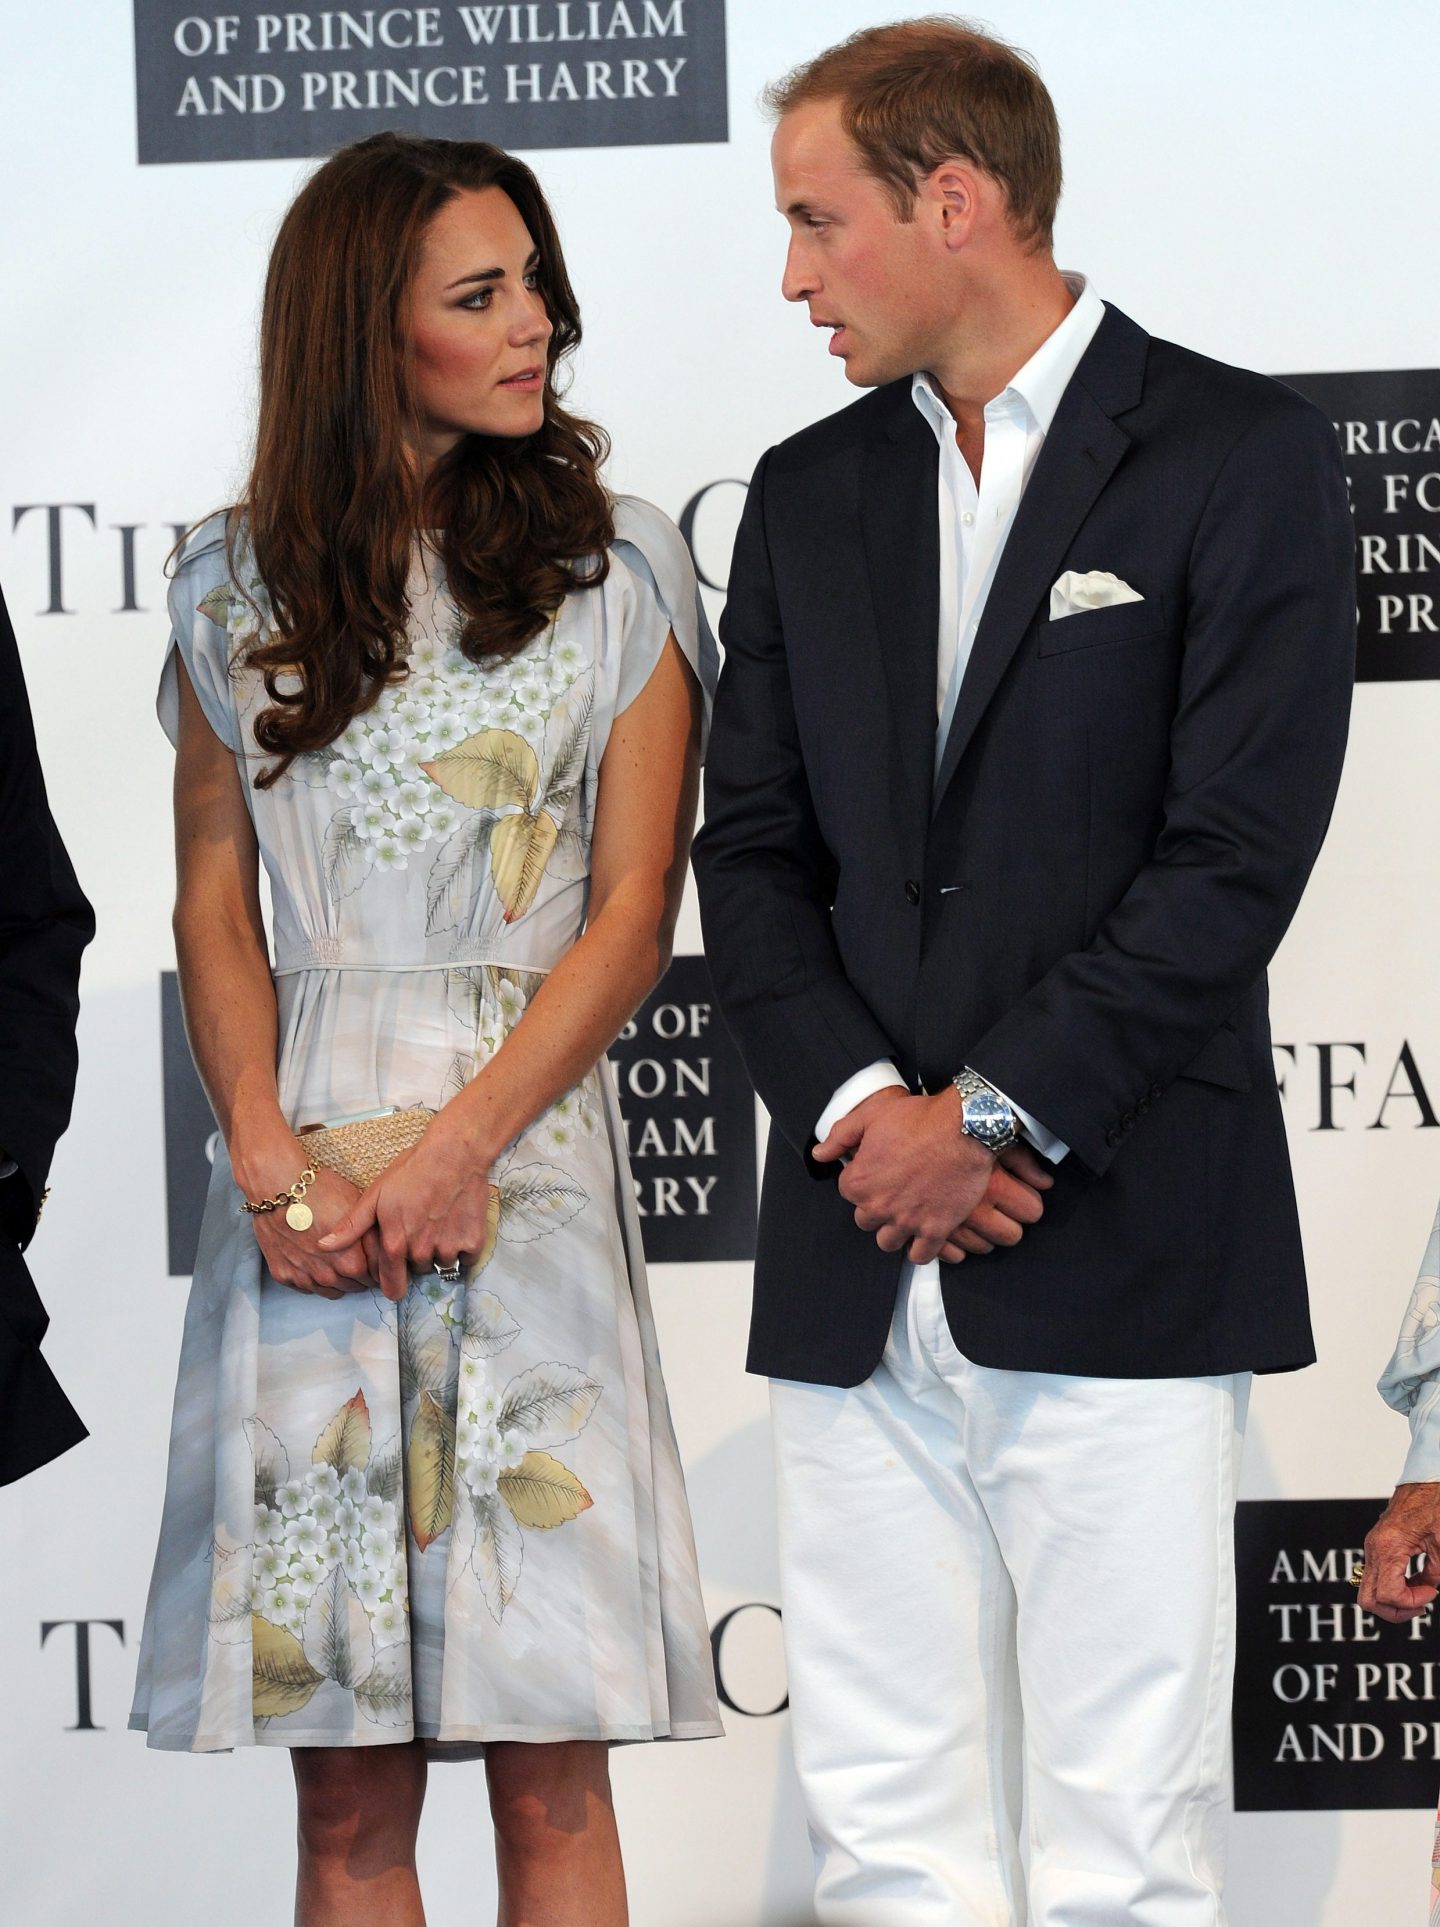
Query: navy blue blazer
[1084, 907]
[45, 924]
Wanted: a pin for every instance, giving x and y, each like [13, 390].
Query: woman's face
[476, 325]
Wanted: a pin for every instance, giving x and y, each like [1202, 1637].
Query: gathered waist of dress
[332, 954]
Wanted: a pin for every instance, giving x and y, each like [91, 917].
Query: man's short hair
[920, 92]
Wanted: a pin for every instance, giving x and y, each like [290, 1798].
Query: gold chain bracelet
[298, 1214]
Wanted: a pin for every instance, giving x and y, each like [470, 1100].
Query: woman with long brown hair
[424, 1499]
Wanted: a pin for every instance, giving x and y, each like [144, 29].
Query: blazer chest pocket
[1121, 622]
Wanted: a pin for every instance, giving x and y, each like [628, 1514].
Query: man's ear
[952, 192]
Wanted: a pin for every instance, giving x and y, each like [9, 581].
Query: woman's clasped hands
[294, 1257]
[433, 1206]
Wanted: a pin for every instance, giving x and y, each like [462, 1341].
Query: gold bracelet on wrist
[298, 1214]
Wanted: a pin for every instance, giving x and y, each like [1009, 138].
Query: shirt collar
[1044, 377]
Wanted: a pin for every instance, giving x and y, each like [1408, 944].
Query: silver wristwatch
[984, 1114]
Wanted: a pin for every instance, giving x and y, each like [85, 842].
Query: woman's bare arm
[228, 997]
[432, 1204]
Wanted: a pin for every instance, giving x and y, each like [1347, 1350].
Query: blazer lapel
[900, 518]
[1081, 453]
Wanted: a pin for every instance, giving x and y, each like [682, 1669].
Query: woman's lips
[528, 381]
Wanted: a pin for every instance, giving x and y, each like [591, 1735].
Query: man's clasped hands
[923, 1187]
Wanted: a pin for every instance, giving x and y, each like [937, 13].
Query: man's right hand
[1015, 1198]
[1409, 1525]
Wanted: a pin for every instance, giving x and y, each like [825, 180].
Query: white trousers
[1009, 1604]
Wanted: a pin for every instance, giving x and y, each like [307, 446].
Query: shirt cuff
[883, 1075]
[1045, 1142]
[1422, 1461]
[880, 1076]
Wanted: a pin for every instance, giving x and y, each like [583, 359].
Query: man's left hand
[912, 1175]
[1410, 1524]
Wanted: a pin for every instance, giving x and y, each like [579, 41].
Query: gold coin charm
[299, 1216]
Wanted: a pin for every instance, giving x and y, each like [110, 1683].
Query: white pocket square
[1096, 590]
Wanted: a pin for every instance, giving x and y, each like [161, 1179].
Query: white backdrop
[1255, 179]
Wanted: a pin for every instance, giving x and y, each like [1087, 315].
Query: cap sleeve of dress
[666, 600]
[199, 635]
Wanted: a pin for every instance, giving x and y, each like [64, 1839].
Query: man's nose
[799, 280]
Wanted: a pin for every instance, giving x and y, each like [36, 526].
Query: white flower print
[291, 1498]
[369, 820]
[446, 731]
[513, 1448]
[406, 764]
[270, 1565]
[390, 852]
[352, 1484]
[323, 1509]
[511, 999]
[483, 1478]
[372, 1513]
[303, 1535]
[413, 832]
[412, 797]
[377, 782]
[368, 1586]
[410, 713]
[442, 818]
[323, 1480]
[383, 747]
[269, 1525]
[378, 1547]
[343, 778]
[387, 1623]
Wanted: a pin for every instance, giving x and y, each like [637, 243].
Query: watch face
[988, 1118]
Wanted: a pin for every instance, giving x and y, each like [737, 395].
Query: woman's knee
[350, 1794]
[540, 1791]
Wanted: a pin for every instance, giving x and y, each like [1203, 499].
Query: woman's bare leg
[556, 1847]
[359, 1813]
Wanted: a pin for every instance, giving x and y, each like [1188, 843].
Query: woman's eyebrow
[492, 274]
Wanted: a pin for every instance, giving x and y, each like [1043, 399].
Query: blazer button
[912, 892]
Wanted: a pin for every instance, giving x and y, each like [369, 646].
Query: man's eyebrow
[492, 274]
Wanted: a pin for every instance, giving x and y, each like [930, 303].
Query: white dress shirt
[975, 523]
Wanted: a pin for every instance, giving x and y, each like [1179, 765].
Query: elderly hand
[1410, 1524]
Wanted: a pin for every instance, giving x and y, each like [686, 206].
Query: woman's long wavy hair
[334, 499]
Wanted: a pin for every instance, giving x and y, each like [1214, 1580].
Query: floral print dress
[460, 1518]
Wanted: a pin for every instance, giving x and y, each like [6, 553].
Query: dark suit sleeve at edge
[45, 924]
[765, 877]
[1256, 751]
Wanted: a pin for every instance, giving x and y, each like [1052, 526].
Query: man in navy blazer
[1035, 700]
[45, 924]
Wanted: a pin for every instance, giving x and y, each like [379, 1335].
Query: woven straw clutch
[361, 1151]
